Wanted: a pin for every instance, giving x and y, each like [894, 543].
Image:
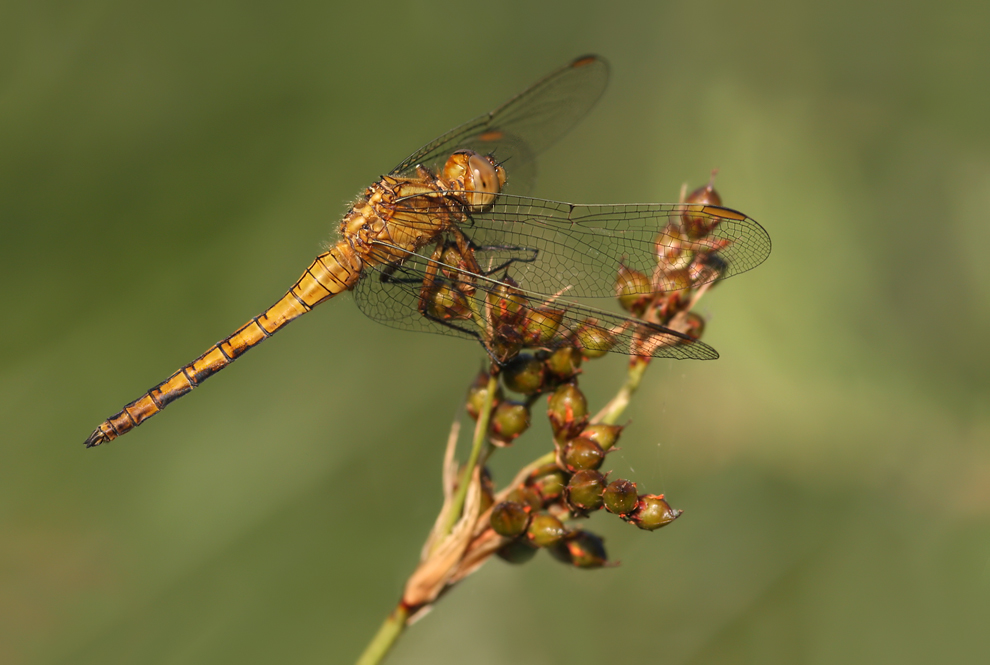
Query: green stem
[478, 445]
[617, 406]
[386, 636]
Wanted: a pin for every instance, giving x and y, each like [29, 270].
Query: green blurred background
[167, 170]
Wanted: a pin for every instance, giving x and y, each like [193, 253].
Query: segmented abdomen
[331, 273]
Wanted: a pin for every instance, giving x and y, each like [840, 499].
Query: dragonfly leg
[386, 274]
[529, 257]
[431, 277]
[467, 249]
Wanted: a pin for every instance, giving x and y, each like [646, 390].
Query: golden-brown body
[393, 218]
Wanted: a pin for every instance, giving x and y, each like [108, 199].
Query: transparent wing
[556, 245]
[524, 126]
[391, 295]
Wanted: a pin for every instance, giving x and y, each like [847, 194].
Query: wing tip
[584, 60]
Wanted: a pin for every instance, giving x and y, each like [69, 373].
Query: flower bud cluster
[538, 349]
[537, 513]
[687, 259]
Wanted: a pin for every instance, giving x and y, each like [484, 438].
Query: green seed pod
[567, 411]
[604, 435]
[549, 481]
[675, 280]
[509, 420]
[545, 530]
[593, 340]
[565, 361]
[540, 326]
[653, 512]
[477, 393]
[507, 302]
[510, 519]
[528, 496]
[451, 256]
[633, 289]
[524, 374]
[581, 453]
[620, 497]
[581, 550]
[670, 248]
[584, 491]
[445, 303]
[519, 550]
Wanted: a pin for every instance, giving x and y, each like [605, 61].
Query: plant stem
[477, 446]
[383, 640]
[617, 405]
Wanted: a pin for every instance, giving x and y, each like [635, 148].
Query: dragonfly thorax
[478, 178]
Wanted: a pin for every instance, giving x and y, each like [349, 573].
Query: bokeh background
[167, 170]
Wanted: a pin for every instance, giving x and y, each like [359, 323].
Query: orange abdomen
[331, 273]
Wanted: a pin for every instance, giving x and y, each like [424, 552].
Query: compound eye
[479, 178]
[486, 181]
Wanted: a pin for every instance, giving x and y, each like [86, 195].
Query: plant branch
[386, 636]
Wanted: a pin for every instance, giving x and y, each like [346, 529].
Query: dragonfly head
[478, 179]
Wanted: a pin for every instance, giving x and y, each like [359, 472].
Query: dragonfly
[447, 242]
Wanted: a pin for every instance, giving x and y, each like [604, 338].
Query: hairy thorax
[399, 215]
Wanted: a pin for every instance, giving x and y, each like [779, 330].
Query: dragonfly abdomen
[331, 273]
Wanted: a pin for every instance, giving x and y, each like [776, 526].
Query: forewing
[524, 126]
[580, 248]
